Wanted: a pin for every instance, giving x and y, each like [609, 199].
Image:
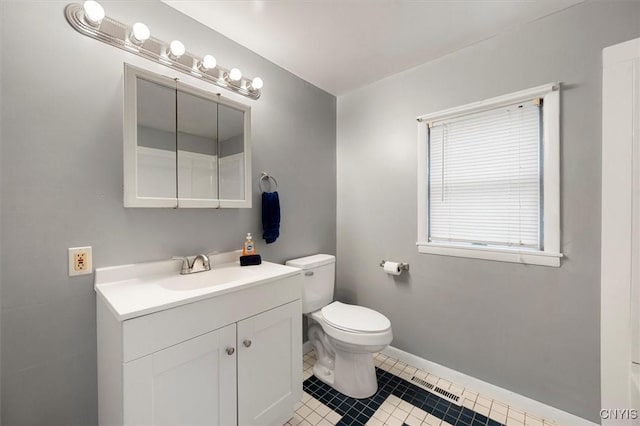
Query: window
[488, 184]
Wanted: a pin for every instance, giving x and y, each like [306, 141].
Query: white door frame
[620, 255]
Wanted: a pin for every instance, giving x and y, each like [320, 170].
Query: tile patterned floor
[400, 402]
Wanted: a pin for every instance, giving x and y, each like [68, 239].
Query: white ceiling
[341, 45]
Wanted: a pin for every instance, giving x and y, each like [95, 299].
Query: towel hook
[265, 176]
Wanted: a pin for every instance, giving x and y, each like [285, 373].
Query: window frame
[550, 254]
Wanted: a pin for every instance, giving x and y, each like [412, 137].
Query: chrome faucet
[199, 263]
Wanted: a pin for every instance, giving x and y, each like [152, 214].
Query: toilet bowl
[343, 336]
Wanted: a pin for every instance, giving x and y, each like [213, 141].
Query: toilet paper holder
[403, 266]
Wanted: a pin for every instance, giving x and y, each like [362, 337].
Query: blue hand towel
[270, 216]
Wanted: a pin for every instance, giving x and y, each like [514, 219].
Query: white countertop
[140, 289]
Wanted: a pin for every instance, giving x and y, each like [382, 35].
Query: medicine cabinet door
[197, 149]
[149, 141]
[234, 154]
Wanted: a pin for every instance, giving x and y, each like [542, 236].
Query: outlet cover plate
[80, 261]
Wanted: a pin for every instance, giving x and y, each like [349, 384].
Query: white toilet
[343, 336]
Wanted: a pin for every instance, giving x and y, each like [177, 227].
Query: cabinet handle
[230, 351]
[247, 343]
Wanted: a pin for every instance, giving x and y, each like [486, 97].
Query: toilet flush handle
[308, 274]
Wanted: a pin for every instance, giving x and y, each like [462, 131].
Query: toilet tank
[319, 273]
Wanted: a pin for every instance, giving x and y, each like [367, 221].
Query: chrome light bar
[89, 19]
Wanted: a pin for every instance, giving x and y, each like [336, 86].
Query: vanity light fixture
[176, 49]
[256, 83]
[90, 20]
[235, 74]
[93, 13]
[139, 33]
[207, 63]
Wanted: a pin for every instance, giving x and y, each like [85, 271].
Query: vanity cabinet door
[191, 383]
[270, 365]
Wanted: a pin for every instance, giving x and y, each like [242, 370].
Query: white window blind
[484, 173]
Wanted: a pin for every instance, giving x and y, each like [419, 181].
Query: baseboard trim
[487, 389]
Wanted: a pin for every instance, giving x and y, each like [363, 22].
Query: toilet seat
[354, 318]
[365, 339]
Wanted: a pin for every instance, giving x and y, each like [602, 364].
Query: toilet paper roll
[392, 268]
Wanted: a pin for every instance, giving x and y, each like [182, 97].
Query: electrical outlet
[80, 261]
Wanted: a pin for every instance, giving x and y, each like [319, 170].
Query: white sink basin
[140, 289]
[218, 275]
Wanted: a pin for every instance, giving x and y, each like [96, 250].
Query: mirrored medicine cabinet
[184, 147]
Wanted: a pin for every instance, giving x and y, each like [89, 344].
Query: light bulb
[207, 63]
[235, 74]
[140, 32]
[257, 83]
[93, 12]
[176, 49]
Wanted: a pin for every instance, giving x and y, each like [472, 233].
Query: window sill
[527, 257]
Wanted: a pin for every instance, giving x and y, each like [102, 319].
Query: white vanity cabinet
[230, 357]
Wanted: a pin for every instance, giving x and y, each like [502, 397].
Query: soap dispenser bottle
[249, 248]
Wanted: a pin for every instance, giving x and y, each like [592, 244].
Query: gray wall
[61, 175]
[531, 329]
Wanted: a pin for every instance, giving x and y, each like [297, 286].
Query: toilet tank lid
[314, 261]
